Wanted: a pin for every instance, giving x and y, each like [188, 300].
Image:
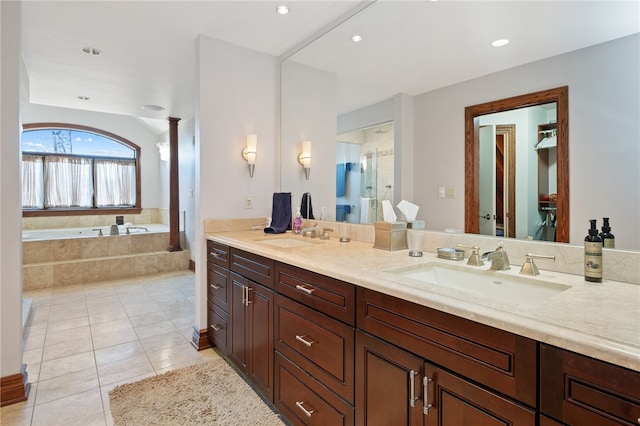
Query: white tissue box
[390, 235]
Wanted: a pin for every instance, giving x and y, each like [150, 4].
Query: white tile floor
[81, 341]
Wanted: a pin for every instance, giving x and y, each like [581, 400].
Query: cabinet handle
[214, 254]
[425, 386]
[302, 339]
[215, 286]
[216, 327]
[305, 289]
[308, 413]
[247, 300]
[412, 387]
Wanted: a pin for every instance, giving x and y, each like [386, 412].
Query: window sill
[80, 212]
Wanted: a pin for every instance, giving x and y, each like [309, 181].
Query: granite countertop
[597, 320]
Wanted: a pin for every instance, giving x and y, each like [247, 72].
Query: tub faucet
[499, 259]
[136, 227]
[100, 234]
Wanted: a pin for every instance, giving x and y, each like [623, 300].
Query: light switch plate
[450, 192]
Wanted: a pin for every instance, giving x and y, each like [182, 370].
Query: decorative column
[174, 189]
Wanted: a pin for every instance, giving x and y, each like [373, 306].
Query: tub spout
[136, 227]
[100, 234]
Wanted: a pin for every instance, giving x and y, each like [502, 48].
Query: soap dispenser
[608, 240]
[297, 222]
[593, 255]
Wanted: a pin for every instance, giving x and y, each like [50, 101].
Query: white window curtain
[32, 182]
[68, 181]
[115, 183]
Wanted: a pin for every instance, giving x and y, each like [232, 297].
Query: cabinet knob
[307, 413]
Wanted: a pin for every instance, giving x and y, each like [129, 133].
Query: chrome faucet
[499, 259]
[529, 267]
[325, 233]
[474, 259]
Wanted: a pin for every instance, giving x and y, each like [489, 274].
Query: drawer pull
[308, 413]
[216, 327]
[215, 286]
[305, 289]
[425, 385]
[302, 339]
[216, 255]
[412, 387]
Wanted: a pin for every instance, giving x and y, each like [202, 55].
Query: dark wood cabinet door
[238, 314]
[451, 400]
[384, 376]
[260, 338]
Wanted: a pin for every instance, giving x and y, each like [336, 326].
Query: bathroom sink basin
[487, 283]
[286, 242]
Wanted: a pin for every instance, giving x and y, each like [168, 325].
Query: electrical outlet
[248, 202]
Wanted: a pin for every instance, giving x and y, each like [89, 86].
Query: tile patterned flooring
[83, 340]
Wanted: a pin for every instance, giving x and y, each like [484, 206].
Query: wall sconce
[249, 152]
[163, 148]
[305, 158]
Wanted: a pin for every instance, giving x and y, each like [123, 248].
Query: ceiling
[148, 47]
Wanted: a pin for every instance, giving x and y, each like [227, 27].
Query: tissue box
[390, 235]
[416, 224]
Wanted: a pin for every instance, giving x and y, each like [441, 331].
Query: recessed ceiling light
[153, 107]
[83, 98]
[499, 43]
[356, 38]
[92, 51]
[282, 10]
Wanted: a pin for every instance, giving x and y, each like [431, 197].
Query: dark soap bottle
[593, 255]
[608, 240]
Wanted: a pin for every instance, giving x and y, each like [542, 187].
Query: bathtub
[68, 233]
[71, 256]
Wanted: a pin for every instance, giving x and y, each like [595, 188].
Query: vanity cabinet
[314, 342]
[400, 388]
[578, 390]
[468, 373]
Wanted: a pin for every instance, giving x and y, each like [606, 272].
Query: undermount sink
[286, 242]
[487, 283]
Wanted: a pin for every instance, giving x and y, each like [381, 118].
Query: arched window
[72, 168]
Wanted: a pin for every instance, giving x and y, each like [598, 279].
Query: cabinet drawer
[218, 253]
[579, 390]
[218, 327]
[333, 297]
[256, 268]
[320, 345]
[304, 401]
[501, 360]
[218, 286]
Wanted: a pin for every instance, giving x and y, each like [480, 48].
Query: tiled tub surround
[89, 259]
[597, 320]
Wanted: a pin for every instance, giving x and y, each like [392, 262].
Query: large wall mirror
[333, 86]
[543, 185]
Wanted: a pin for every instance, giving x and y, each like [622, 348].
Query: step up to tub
[85, 270]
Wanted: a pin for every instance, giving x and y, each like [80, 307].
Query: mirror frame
[560, 96]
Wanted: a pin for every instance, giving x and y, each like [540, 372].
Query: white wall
[10, 210]
[309, 113]
[237, 93]
[604, 136]
[121, 125]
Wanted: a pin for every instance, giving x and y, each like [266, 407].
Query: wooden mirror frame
[558, 95]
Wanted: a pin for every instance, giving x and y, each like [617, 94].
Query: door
[388, 384]
[487, 158]
[239, 322]
[455, 401]
[260, 344]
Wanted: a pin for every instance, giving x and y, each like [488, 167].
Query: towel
[341, 179]
[341, 212]
[280, 213]
[306, 209]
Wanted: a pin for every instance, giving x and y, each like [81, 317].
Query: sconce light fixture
[305, 158]
[163, 148]
[249, 152]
